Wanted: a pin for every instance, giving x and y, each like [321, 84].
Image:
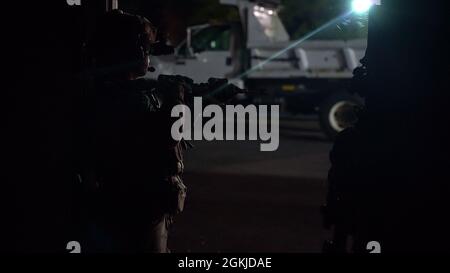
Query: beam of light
[276, 55]
[293, 45]
[284, 50]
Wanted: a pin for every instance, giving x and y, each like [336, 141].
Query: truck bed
[310, 59]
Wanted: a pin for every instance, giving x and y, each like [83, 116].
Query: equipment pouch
[177, 195]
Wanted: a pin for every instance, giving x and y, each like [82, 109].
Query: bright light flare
[362, 6]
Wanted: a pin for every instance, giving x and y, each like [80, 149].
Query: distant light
[263, 13]
[362, 6]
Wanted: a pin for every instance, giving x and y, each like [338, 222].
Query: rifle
[161, 91]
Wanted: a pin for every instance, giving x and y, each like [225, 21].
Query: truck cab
[210, 51]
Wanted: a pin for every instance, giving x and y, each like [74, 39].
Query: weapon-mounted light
[362, 6]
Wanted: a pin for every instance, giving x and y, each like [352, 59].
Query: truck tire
[338, 112]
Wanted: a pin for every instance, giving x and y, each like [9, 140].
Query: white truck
[304, 77]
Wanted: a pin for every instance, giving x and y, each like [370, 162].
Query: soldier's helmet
[122, 42]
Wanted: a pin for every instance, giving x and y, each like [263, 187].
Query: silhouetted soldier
[131, 161]
[389, 176]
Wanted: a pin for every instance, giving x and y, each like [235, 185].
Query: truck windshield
[214, 38]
